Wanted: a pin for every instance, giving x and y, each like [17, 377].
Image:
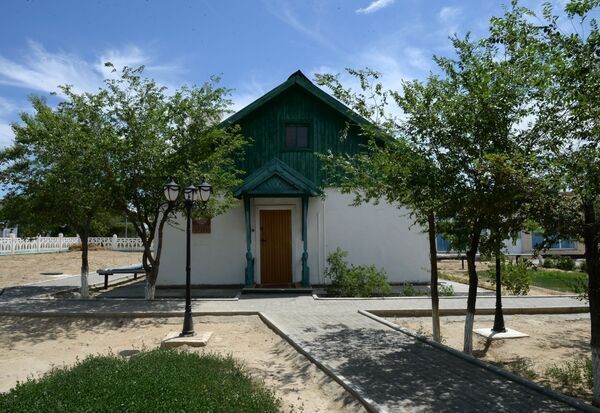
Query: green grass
[565, 281]
[154, 381]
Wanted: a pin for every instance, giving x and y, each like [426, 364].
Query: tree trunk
[472, 297]
[151, 283]
[435, 300]
[592, 258]
[85, 268]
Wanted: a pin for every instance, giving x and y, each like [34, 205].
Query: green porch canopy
[276, 179]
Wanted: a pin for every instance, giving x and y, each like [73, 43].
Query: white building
[285, 226]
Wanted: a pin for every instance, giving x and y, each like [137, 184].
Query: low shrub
[521, 366]
[91, 247]
[565, 263]
[445, 290]
[516, 277]
[572, 375]
[155, 381]
[549, 262]
[561, 262]
[409, 290]
[579, 285]
[583, 266]
[349, 280]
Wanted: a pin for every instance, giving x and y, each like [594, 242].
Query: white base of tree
[150, 291]
[85, 288]
[468, 340]
[596, 371]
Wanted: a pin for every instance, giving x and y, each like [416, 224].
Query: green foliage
[549, 262]
[160, 136]
[354, 280]
[571, 375]
[409, 290]
[561, 262]
[446, 290]
[521, 366]
[583, 266]
[155, 381]
[516, 278]
[560, 280]
[565, 263]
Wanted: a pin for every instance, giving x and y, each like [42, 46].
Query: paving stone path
[395, 371]
[399, 373]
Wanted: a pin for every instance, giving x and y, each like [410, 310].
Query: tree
[159, 137]
[397, 165]
[569, 122]
[462, 152]
[56, 169]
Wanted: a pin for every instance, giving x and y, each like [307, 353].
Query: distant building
[525, 244]
[7, 231]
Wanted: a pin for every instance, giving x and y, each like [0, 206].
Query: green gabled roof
[296, 78]
[276, 178]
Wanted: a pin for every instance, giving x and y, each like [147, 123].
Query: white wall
[377, 234]
[216, 258]
[372, 234]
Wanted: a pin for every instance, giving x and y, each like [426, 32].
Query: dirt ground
[31, 346]
[28, 268]
[553, 340]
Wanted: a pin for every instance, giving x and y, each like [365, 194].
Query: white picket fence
[13, 245]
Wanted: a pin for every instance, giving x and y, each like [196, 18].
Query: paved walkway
[395, 371]
[399, 373]
[56, 285]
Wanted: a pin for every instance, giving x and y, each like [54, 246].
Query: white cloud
[281, 9]
[418, 59]
[44, 70]
[251, 91]
[6, 135]
[7, 107]
[449, 14]
[130, 56]
[375, 6]
[449, 18]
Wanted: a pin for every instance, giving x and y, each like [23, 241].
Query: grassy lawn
[558, 280]
[154, 381]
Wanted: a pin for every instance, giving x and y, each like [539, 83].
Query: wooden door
[276, 247]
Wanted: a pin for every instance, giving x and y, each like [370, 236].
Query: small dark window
[296, 136]
[201, 226]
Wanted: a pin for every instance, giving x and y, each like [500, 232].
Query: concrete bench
[133, 269]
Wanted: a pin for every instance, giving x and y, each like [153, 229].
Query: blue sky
[253, 44]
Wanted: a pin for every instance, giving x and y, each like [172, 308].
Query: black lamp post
[498, 316]
[191, 194]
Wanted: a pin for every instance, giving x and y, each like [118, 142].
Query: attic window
[296, 136]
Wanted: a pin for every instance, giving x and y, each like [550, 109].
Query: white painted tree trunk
[468, 342]
[596, 371]
[150, 290]
[85, 288]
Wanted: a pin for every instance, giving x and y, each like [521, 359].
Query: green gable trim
[297, 78]
[276, 179]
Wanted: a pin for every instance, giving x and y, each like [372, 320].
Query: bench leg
[105, 282]
[135, 275]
